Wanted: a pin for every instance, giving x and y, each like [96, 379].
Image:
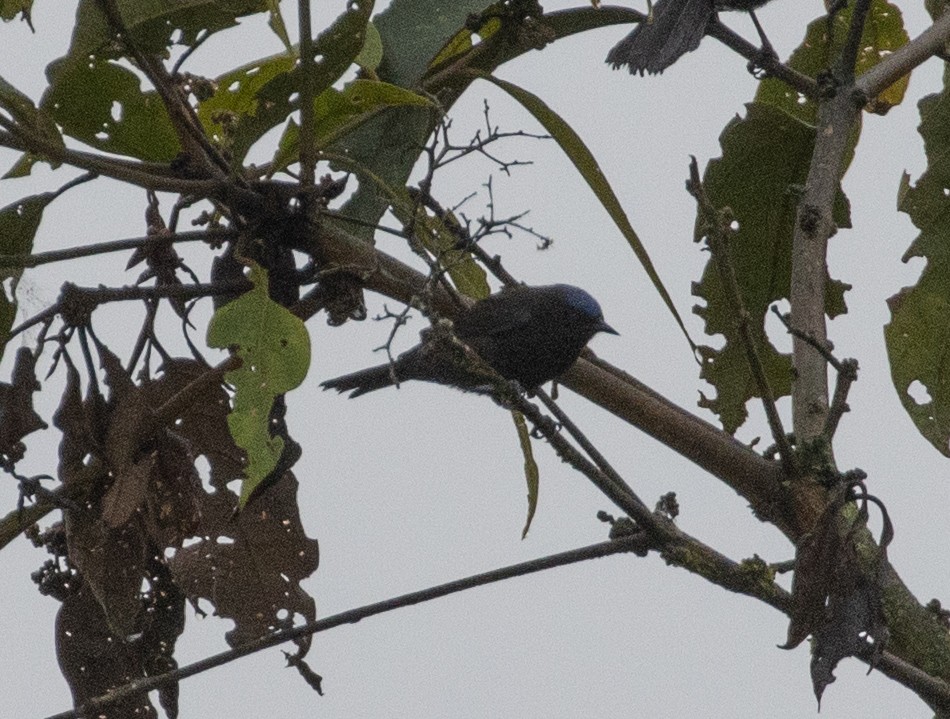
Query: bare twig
[586, 444]
[717, 235]
[852, 46]
[138, 686]
[100, 248]
[847, 370]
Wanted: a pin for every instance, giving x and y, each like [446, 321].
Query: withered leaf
[249, 566]
[204, 425]
[17, 417]
[127, 492]
[113, 563]
[835, 599]
[93, 660]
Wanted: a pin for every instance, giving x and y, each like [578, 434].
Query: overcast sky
[413, 487]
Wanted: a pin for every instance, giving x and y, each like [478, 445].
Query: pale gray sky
[409, 488]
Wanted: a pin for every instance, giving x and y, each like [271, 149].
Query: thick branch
[837, 119]
[755, 478]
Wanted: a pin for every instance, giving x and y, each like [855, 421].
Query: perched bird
[528, 334]
[676, 29]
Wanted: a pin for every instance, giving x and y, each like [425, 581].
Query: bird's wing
[492, 316]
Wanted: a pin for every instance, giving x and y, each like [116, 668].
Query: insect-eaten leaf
[765, 160]
[274, 349]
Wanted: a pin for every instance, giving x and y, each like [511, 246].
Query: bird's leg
[649, 11]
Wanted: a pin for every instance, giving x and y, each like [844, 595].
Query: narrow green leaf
[372, 53]
[574, 147]
[274, 348]
[276, 23]
[531, 474]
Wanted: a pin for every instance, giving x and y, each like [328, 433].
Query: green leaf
[764, 164]
[19, 222]
[372, 53]
[414, 31]
[276, 23]
[259, 96]
[156, 24]
[337, 113]
[240, 112]
[28, 117]
[531, 474]
[102, 104]
[578, 153]
[274, 348]
[918, 335]
[9, 9]
[883, 33]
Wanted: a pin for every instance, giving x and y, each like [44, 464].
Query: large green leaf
[883, 33]
[254, 98]
[339, 112]
[101, 103]
[274, 348]
[156, 24]
[765, 161]
[918, 335]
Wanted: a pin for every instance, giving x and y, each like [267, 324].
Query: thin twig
[717, 235]
[99, 248]
[847, 374]
[93, 296]
[772, 66]
[852, 46]
[586, 444]
[352, 616]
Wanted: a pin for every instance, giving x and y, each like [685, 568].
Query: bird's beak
[604, 327]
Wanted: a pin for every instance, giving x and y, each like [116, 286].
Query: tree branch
[604, 549]
[100, 248]
[893, 67]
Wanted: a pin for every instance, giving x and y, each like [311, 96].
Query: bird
[527, 334]
[676, 28]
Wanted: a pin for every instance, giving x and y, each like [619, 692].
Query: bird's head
[581, 301]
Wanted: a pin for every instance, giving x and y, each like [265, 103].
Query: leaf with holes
[274, 348]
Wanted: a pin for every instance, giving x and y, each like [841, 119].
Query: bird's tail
[677, 28]
[366, 380]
